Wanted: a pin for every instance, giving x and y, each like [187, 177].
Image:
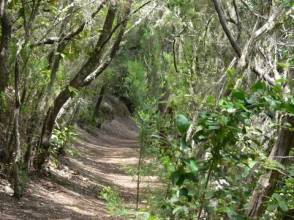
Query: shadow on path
[72, 190]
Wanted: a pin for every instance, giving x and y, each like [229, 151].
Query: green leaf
[193, 166]
[210, 100]
[289, 107]
[213, 127]
[178, 178]
[283, 65]
[73, 90]
[258, 86]
[182, 123]
[239, 95]
[184, 192]
[183, 143]
[274, 165]
[231, 72]
[152, 217]
[281, 202]
[231, 110]
[180, 209]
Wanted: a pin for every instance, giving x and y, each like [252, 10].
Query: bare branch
[222, 19]
[263, 76]
[72, 34]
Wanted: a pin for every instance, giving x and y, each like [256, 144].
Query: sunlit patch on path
[72, 190]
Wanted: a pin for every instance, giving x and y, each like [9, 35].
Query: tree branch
[222, 19]
[122, 22]
[113, 50]
[72, 34]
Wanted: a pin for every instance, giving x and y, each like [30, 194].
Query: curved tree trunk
[92, 68]
[48, 126]
[267, 182]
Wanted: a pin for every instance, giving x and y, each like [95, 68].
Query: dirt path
[72, 191]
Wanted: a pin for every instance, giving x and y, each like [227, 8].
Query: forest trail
[72, 191]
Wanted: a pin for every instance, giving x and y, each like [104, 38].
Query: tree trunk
[267, 182]
[81, 78]
[17, 157]
[48, 126]
[8, 139]
[55, 56]
[99, 101]
[16, 164]
[32, 128]
[4, 41]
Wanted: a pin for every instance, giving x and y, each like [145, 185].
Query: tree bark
[267, 182]
[4, 41]
[32, 128]
[99, 101]
[48, 126]
[16, 164]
